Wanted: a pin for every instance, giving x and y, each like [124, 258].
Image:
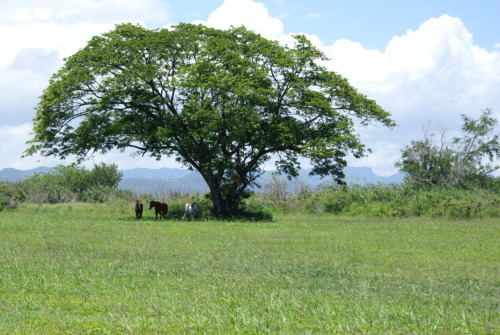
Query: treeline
[397, 200]
[77, 184]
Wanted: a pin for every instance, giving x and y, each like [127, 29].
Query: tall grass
[389, 201]
[93, 269]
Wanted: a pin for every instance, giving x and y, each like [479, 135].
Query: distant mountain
[13, 175]
[365, 175]
[166, 181]
[353, 176]
[163, 173]
[191, 182]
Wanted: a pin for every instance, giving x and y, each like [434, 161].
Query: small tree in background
[467, 160]
[105, 175]
[71, 183]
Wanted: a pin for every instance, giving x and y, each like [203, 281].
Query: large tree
[222, 102]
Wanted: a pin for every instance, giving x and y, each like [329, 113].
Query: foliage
[280, 196]
[95, 269]
[8, 188]
[8, 195]
[46, 188]
[466, 161]
[405, 200]
[222, 101]
[72, 183]
[3, 201]
[331, 202]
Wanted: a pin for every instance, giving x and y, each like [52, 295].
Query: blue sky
[371, 22]
[424, 61]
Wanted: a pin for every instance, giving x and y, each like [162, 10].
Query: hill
[13, 175]
[165, 181]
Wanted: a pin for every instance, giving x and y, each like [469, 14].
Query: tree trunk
[224, 207]
[226, 201]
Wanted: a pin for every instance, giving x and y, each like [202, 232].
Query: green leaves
[466, 160]
[70, 183]
[222, 101]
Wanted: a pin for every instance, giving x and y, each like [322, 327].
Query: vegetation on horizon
[71, 183]
[405, 200]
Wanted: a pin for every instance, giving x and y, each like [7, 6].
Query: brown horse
[138, 209]
[160, 208]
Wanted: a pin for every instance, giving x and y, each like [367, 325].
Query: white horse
[190, 210]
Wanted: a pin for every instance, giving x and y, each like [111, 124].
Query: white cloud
[65, 26]
[37, 34]
[361, 66]
[436, 67]
[78, 11]
[17, 136]
[312, 16]
[248, 13]
[433, 73]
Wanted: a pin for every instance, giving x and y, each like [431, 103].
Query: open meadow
[94, 269]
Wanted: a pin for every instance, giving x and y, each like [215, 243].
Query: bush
[405, 201]
[97, 193]
[3, 202]
[330, 199]
[72, 183]
[47, 188]
[8, 195]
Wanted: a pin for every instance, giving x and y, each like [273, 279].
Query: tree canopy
[222, 102]
[467, 160]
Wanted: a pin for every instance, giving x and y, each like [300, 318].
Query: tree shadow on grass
[242, 216]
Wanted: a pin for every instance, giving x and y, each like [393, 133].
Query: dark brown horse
[138, 209]
[160, 208]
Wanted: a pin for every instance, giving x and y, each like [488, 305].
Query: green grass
[94, 269]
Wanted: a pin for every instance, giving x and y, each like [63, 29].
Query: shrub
[8, 195]
[3, 202]
[405, 201]
[72, 183]
[47, 188]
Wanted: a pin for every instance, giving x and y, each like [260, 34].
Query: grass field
[94, 269]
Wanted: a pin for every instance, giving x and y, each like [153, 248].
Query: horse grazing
[160, 208]
[138, 209]
[190, 210]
